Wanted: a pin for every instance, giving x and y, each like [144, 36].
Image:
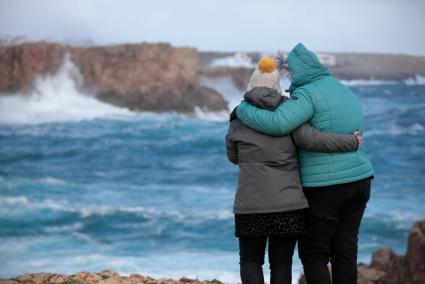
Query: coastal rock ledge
[389, 268]
[105, 277]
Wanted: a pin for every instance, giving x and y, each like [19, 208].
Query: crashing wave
[88, 211]
[413, 81]
[211, 115]
[371, 82]
[56, 98]
[239, 59]
[418, 80]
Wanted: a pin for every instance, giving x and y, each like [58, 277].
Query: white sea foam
[226, 87]
[417, 80]
[87, 211]
[14, 200]
[211, 115]
[63, 228]
[416, 128]
[23, 201]
[239, 59]
[51, 180]
[404, 218]
[56, 98]
[221, 214]
[395, 130]
[369, 82]
[84, 237]
[231, 93]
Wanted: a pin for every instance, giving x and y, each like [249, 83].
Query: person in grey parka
[269, 200]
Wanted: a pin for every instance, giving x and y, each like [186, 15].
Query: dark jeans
[252, 251]
[332, 223]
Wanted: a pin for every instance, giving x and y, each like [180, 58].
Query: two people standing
[304, 175]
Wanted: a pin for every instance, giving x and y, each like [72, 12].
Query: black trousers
[252, 251]
[332, 223]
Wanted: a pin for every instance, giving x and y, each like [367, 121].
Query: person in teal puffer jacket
[337, 185]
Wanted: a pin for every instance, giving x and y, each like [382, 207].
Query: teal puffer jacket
[328, 105]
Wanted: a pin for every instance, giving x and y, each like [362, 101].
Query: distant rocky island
[386, 268]
[159, 77]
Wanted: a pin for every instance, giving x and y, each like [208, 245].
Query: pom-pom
[267, 65]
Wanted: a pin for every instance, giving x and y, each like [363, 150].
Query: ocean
[89, 186]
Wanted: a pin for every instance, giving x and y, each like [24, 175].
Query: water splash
[56, 98]
[238, 59]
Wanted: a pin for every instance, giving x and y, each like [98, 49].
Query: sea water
[88, 186]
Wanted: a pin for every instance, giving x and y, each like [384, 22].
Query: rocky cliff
[154, 77]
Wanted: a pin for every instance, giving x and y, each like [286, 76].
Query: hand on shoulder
[359, 138]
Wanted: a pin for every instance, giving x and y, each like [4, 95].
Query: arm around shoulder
[284, 119]
[310, 138]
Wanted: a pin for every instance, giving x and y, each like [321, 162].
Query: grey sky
[395, 26]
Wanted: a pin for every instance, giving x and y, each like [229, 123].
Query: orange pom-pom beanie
[266, 75]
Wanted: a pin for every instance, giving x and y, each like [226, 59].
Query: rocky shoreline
[159, 77]
[105, 277]
[386, 268]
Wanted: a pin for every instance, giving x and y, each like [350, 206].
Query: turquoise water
[153, 194]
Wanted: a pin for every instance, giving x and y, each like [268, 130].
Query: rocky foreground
[104, 277]
[386, 268]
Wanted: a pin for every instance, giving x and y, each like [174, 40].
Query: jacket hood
[304, 67]
[264, 97]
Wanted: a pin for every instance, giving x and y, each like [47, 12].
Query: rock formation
[389, 268]
[348, 66]
[154, 77]
[105, 277]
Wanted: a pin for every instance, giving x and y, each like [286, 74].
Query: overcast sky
[395, 26]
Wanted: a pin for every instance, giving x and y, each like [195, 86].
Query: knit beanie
[265, 75]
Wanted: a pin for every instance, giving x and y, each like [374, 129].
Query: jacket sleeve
[284, 119]
[310, 138]
[231, 149]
